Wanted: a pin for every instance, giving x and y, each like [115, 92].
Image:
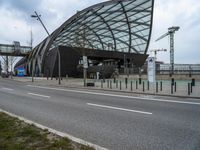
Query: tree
[8, 63]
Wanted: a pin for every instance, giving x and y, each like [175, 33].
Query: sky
[16, 23]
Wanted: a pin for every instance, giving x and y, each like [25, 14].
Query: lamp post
[59, 64]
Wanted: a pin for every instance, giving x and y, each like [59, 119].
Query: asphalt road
[117, 122]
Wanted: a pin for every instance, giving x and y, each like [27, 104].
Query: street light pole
[59, 64]
[38, 18]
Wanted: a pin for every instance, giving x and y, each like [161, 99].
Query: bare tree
[8, 63]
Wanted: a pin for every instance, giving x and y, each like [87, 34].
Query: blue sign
[20, 72]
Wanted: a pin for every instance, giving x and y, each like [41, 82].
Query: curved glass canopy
[117, 25]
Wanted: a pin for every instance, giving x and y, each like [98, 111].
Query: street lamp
[59, 68]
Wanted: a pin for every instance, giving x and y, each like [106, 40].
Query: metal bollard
[191, 88]
[120, 84]
[107, 83]
[172, 88]
[148, 85]
[117, 84]
[126, 82]
[131, 85]
[175, 87]
[143, 86]
[193, 82]
[161, 86]
[140, 80]
[102, 84]
[110, 84]
[114, 80]
[188, 88]
[136, 85]
[156, 87]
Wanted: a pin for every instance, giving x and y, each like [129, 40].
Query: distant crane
[171, 32]
[156, 51]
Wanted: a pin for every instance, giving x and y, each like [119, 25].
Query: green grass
[17, 135]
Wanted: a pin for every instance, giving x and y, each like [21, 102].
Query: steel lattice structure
[119, 25]
[115, 25]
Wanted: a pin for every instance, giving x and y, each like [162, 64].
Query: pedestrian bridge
[14, 50]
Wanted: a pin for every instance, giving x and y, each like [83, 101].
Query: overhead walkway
[14, 50]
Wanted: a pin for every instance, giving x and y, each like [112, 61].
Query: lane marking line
[39, 95]
[118, 108]
[62, 134]
[119, 96]
[8, 89]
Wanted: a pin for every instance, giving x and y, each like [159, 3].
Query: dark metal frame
[106, 22]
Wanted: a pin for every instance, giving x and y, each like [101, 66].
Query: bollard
[140, 81]
[174, 86]
[102, 84]
[117, 84]
[107, 83]
[114, 80]
[120, 84]
[172, 89]
[131, 85]
[111, 84]
[156, 87]
[143, 86]
[172, 81]
[191, 88]
[136, 85]
[126, 82]
[160, 85]
[188, 88]
[148, 85]
[193, 82]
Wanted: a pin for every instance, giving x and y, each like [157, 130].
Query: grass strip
[18, 135]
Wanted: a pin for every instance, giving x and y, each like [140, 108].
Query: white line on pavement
[119, 96]
[39, 95]
[62, 134]
[118, 108]
[8, 89]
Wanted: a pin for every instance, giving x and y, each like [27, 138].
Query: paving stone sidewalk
[164, 87]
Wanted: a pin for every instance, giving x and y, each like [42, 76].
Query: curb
[61, 134]
[113, 90]
[108, 90]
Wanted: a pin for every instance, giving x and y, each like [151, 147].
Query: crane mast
[171, 32]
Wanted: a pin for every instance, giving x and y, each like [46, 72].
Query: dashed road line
[118, 108]
[39, 95]
[119, 96]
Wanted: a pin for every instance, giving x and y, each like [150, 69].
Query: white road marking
[7, 89]
[62, 134]
[119, 96]
[118, 108]
[39, 95]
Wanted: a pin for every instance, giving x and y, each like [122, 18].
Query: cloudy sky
[16, 23]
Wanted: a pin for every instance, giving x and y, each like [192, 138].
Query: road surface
[112, 120]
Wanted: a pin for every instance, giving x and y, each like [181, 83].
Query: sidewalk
[163, 88]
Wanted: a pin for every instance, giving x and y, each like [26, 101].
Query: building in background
[113, 35]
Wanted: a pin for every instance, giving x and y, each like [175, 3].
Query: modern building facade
[111, 34]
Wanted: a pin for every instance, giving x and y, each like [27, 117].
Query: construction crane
[156, 51]
[171, 32]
